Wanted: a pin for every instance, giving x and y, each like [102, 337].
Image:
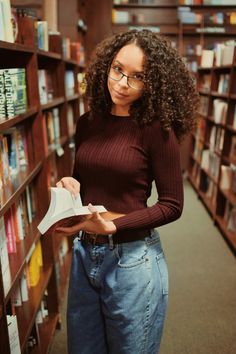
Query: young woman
[142, 102]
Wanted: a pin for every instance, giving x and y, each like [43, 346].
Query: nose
[124, 81]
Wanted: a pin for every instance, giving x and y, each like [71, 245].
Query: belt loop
[111, 242]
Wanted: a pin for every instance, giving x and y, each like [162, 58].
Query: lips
[119, 94]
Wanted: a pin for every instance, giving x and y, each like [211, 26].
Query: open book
[63, 207]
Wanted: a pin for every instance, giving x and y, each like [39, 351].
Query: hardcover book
[64, 208]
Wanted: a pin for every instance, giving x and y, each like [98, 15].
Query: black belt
[118, 237]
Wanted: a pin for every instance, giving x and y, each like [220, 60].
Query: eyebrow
[135, 71]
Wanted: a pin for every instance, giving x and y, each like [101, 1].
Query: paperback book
[64, 210]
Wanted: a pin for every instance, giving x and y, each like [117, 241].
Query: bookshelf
[213, 157]
[156, 15]
[202, 24]
[36, 145]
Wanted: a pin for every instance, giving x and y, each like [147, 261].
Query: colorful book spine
[2, 96]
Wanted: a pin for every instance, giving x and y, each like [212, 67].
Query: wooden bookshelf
[216, 132]
[44, 159]
[159, 16]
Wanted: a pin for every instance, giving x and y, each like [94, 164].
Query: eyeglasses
[135, 82]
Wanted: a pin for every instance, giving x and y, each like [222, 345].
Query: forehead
[131, 57]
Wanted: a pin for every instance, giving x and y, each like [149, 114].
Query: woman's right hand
[70, 183]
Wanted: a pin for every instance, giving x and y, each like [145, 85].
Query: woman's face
[124, 91]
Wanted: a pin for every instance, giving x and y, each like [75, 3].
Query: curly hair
[169, 90]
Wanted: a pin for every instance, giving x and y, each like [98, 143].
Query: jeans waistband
[112, 239]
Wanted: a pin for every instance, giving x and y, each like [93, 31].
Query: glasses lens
[115, 74]
[135, 83]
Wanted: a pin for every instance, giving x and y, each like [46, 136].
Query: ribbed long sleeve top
[116, 162]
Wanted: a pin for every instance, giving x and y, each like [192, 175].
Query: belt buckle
[93, 238]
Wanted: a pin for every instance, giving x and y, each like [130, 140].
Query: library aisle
[201, 315]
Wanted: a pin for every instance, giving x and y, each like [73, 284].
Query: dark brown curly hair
[169, 90]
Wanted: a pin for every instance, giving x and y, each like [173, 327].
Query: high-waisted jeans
[117, 298]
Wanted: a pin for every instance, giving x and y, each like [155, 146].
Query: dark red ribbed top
[116, 162]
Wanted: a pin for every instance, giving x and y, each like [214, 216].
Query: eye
[116, 68]
[138, 76]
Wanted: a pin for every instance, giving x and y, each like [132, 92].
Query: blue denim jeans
[117, 298]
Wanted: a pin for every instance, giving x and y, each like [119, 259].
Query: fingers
[70, 183]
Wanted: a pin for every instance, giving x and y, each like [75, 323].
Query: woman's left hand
[94, 224]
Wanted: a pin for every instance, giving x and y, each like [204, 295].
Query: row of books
[14, 227]
[134, 2]
[222, 54]
[209, 188]
[9, 17]
[207, 2]
[219, 111]
[216, 140]
[21, 295]
[46, 89]
[223, 83]
[52, 125]
[13, 93]
[210, 162]
[187, 16]
[13, 154]
[18, 218]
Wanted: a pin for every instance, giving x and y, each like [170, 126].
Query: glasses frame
[127, 76]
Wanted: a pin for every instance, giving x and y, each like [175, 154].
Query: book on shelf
[120, 17]
[203, 105]
[223, 85]
[10, 231]
[35, 265]
[69, 83]
[4, 260]
[207, 58]
[226, 176]
[17, 149]
[186, 16]
[232, 152]
[46, 92]
[3, 113]
[13, 94]
[231, 225]
[52, 125]
[13, 334]
[70, 119]
[6, 28]
[205, 83]
[64, 209]
[42, 35]
[220, 108]
[234, 117]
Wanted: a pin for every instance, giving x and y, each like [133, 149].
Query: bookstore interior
[43, 52]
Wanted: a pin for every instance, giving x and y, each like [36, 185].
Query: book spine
[2, 95]
[9, 93]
